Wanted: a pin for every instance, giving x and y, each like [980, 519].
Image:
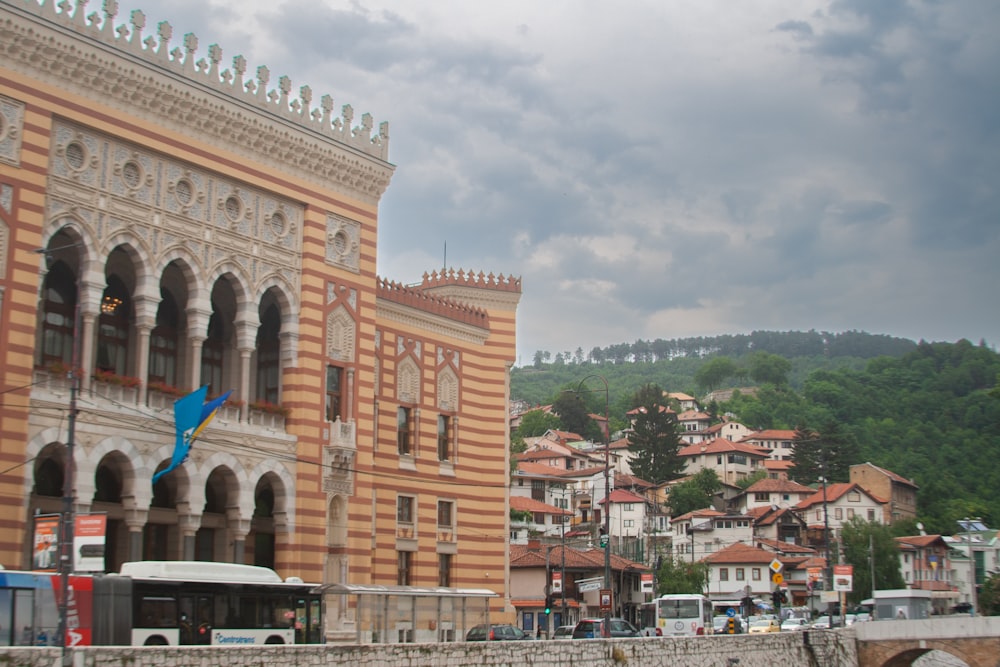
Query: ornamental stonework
[11, 130]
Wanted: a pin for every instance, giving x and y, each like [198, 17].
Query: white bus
[677, 615]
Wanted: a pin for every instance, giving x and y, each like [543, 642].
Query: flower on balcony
[110, 377]
[58, 368]
[270, 408]
[233, 402]
[164, 388]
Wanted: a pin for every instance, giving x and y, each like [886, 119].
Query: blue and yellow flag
[191, 415]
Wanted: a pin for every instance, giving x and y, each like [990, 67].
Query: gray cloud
[667, 170]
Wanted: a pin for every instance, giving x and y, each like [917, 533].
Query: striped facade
[166, 225]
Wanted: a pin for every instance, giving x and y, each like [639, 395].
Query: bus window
[157, 612]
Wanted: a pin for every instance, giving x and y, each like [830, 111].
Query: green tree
[767, 368]
[829, 453]
[537, 422]
[714, 372]
[654, 442]
[575, 417]
[680, 576]
[750, 480]
[694, 494]
[989, 596]
[862, 542]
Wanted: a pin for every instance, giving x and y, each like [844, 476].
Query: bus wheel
[274, 639]
[155, 640]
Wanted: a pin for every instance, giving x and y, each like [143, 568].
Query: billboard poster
[646, 581]
[89, 532]
[843, 578]
[45, 551]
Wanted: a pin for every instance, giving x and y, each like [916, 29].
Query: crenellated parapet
[125, 68]
[414, 297]
[481, 280]
[181, 60]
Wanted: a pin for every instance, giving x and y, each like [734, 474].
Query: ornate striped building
[168, 223]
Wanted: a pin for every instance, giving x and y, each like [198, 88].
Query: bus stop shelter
[403, 614]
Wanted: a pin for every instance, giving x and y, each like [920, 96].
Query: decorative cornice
[144, 77]
[482, 289]
[408, 305]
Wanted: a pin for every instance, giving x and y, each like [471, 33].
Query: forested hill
[675, 363]
[783, 343]
[931, 414]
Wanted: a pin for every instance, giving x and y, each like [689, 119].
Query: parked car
[496, 633]
[764, 625]
[794, 624]
[563, 632]
[823, 622]
[590, 628]
[720, 625]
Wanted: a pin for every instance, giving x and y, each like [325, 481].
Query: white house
[731, 461]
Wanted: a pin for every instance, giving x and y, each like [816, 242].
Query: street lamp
[970, 524]
[67, 520]
[607, 489]
[828, 570]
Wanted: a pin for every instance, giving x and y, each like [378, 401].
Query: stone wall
[814, 649]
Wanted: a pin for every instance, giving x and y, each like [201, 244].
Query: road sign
[605, 598]
[730, 612]
[604, 540]
[586, 586]
[777, 578]
[775, 565]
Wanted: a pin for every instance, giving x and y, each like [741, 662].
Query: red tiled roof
[778, 486]
[739, 552]
[785, 547]
[921, 541]
[623, 496]
[720, 446]
[529, 468]
[891, 475]
[705, 513]
[523, 504]
[834, 492]
[775, 464]
[525, 556]
[771, 434]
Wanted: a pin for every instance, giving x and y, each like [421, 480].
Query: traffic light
[777, 597]
[548, 605]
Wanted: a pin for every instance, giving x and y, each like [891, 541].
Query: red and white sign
[557, 582]
[843, 578]
[88, 542]
[646, 581]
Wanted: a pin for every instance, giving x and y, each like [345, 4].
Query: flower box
[107, 377]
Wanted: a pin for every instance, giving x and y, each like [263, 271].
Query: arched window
[113, 328]
[59, 310]
[163, 342]
[268, 355]
[212, 354]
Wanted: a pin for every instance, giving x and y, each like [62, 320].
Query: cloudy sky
[668, 168]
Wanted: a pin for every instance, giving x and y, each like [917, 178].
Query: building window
[850, 512]
[838, 513]
[446, 514]
[404, 431]
[163, 342]
[629, 523]
[404, 509]
[269, 356]
[444, 570]
[444, 437]
[761, 497]
[723, 574]
[333, 395]
[112, 328]
[871, 514]
[755, 574]
[212, 354]
[740, 574]
[404, 563]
